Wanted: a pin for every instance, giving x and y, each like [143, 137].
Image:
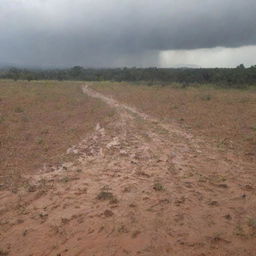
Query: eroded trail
[138, 187]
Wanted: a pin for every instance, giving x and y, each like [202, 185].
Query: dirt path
[138, 187]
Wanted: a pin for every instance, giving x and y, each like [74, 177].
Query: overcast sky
[110, 33]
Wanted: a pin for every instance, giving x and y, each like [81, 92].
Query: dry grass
[225, 116]
[40, 120]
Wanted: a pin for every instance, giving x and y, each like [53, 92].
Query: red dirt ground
[138, 186]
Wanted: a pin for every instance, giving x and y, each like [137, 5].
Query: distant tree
[29, 77]
[241, 66]
[223, 77]
[13, 73]
[76, 72]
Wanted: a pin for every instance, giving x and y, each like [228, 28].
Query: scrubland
[126, 169]
[226, 117]
[39, 121]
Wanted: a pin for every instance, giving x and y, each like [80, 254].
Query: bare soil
[138, 186]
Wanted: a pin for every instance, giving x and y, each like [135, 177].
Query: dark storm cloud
[118, 33]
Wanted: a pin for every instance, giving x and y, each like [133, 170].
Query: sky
[118, 33]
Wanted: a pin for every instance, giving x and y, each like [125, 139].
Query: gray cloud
[118, 33]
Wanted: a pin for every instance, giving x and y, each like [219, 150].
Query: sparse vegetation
[105, 195]
[206, 97]
[65, 179]
[123, 229]
[108, 213]
[158, 187]
[167, 185]
[1, 119]
[135, 233]
[3, 252]
[252, 223]
[239, 231]
[254, 128]
[39, 121]
[225, 117]
[18, 110]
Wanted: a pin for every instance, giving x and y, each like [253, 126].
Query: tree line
[224, 77]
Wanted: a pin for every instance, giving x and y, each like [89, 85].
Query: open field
[130, 170]
[226, 117]
[39, 121]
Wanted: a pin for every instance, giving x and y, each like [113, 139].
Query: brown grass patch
[40, 120]
[225, 116]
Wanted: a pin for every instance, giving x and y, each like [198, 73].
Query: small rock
[115, 142]
[123, 152]
[97, 128]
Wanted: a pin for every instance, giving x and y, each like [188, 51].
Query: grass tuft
[158, 187]
[18, 110]
[3, 253]
[104, 195]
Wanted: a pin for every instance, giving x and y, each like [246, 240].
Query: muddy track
[138, 187]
